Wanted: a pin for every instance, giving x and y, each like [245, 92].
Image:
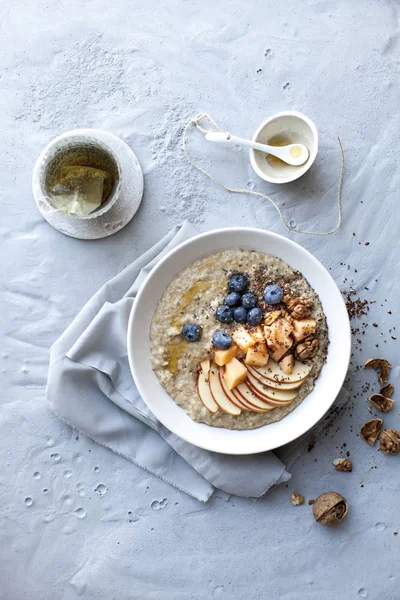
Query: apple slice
[287, 364]
[274, 397]
[303, 328]
[247, 406]
[280, 394]
[242, 338]
[219, 395]
[248, 396]
[273, 372]
[221, 357]
[257, 334]
[235, 373]
[257, 356]
[203, 390]
[276, 385]
[205, 366]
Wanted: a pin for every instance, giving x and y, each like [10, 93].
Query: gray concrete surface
[76, 520]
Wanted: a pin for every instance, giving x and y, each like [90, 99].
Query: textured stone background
[76, 520]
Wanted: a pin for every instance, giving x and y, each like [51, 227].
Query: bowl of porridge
[239, 340]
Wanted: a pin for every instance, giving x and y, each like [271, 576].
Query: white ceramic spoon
[292, 154]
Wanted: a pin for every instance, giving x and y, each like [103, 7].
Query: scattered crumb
[297, 499]
[312, 501]
[311, 443]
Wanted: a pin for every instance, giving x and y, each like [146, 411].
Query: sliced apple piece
[278, 336]
[257, 334]
[257, 356]
[303, 328]
[204, 392]
[244, 391]
[287, 364]
[273, 372]
[272, 396]
[220, 398]
[246, 405]
[243, 338]
[205, 366]
[276, 385]
[276, 354]
[221, 357]
[235, 373]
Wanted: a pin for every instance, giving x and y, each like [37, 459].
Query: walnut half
[307, 349]
[300, 308]
[330, 508]
[390, 441]
[381, 402]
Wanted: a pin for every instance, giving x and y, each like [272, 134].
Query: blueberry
[254, 316]
[249, 300]
[240, 314]
[191, 332]
[238, 282]
[233, 299]
[224, 314]
[222, 340]
[273, 294]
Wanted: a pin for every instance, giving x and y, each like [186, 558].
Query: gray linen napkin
[91, 388]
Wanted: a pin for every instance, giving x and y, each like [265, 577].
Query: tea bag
[80, 190]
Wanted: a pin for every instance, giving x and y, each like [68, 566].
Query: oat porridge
[238, 339]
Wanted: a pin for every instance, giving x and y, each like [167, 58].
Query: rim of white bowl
[310, 162]
[260, 443]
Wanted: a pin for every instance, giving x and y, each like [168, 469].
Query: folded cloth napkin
[90, 387]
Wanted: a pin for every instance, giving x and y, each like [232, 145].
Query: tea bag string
[204, 116]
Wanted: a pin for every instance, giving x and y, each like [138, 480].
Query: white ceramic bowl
[294, 127]
[328, 384]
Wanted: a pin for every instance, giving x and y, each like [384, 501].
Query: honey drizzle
[176, 348]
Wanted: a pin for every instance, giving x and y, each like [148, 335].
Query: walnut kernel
[330, 508]
[370, 430]
[307, 349]
[297, 499]
[343, 464]
[390, 441]
[300, 308]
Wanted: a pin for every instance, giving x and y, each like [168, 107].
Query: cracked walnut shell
[381, 402]
[390, 441]
[387, 390]
[300, 308]
[383, 367]
[370, 430]
[307, 349]
[330, 508]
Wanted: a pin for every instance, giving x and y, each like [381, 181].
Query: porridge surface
[192, 297]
